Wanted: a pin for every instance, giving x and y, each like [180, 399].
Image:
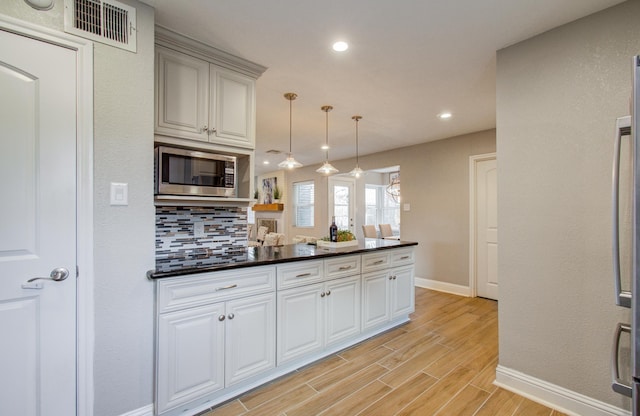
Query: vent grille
[107, 22]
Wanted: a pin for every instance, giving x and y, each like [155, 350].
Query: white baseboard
[143, 411]
[443, 286]
[553, 396]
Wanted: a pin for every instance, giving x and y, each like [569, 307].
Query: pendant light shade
[357, 172]
[327, 168]
[290, 162]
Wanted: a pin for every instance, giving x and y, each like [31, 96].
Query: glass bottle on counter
[333, 231]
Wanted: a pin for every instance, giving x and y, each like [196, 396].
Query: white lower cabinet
[386, 295]
[190, 355]
[402, 291]
[214, 331]
[314, 316]
[205, 349]
[250, 340]
[222, 333]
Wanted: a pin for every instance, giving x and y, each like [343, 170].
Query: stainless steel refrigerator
[626, 247]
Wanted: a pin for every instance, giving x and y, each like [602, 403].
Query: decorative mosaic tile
[225, 231]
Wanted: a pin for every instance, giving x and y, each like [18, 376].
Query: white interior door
[486, 228]
[37, 227]
[342, 202]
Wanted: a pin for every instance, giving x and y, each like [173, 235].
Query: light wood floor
[441, 363]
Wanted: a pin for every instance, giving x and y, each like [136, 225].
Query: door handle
[617, 384]
[57, 275]
[623, 127]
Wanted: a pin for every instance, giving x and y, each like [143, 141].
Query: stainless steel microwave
[194, 173]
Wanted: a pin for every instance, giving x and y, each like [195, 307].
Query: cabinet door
[402, 291]
[182, 95]
[375, 299]
[190, 355]
[250, 338]
[299, 322]
[233, 108]
[342, 309]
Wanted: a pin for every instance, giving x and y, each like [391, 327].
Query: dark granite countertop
[201, 261]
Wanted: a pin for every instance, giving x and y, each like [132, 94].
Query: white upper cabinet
[200, 101]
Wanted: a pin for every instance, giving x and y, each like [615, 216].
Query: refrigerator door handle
[623, 128]
[618, 385]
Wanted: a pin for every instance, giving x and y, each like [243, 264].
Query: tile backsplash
[224, 230]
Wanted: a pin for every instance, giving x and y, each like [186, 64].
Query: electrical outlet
[198, 228]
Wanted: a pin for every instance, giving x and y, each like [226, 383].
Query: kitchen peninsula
[225, 325]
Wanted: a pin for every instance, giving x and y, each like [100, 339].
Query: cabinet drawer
[401, 257]
[342, 266]
[376, 261]
[200, 289]
[299, 273]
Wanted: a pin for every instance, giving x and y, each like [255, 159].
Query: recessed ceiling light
[340, 46]
[445, 115]
[324, 147]
[266, 162]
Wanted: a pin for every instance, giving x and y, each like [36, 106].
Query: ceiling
[407, 62]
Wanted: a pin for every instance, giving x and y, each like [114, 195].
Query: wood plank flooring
[441, 363]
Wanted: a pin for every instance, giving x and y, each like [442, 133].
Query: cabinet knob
[231, 316]
[322, 294]
[204, 129]
[211, 131]
[328, 292]
[221, 318]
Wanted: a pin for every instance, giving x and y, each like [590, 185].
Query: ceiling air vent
[104, 21]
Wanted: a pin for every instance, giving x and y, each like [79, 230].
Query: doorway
[483, 244]
[342, 202]
[45, 160]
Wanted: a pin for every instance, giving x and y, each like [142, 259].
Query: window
[303, 197]
[381, 208]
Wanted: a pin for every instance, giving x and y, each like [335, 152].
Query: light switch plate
[406, 207]
[119, 193]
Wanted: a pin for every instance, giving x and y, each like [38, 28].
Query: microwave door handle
[617, 384]
[623, 298]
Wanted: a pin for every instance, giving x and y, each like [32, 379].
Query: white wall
[558, 95]
[435, 182]
[124, 236]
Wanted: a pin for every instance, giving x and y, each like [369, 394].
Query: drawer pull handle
[378, 262]
[303, 275]
[404, 257]
[226, 287]
[345, 267]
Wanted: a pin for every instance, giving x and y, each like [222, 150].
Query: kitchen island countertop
[201, 261]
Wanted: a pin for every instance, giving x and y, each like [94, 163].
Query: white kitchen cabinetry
[220, 334]
[214, 330]
[388, 288]
[197, 100]
[312, 317]
[319, 307]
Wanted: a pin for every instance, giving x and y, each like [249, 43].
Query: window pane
[303, 199]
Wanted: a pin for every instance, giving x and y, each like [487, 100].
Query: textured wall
[558, 95]
[124, 235]
[435, 182]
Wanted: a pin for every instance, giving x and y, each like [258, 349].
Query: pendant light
[290, 162]
[326, 167]
[357, 172]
